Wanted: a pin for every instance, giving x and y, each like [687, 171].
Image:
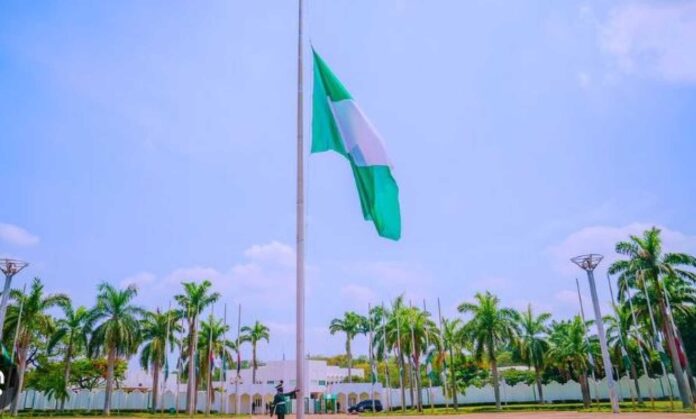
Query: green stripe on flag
[338, 124]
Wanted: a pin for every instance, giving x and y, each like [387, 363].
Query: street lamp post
[10, 267]
[588, 263]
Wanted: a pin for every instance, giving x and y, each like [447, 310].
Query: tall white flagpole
[300, 314]
[657, 341]
[385, 355]
[430, 380]
[208, 384]
[629, 297]
[239, 360]
[373, 371]
[444, 354]
[164, 383]
[223, 370]
[624, 352]
[401, 360]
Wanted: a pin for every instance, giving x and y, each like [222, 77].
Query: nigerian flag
[338, 124]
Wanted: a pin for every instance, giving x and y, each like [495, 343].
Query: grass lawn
[626, 407]
[660, 406]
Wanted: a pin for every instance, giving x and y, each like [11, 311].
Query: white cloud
[140, 280]
[17, 236]
[273, 252]
[394, 277]
[358, 295]
[266, 272]
[657, 39]
[603, 239]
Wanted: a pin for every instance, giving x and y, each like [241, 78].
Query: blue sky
[153, 142]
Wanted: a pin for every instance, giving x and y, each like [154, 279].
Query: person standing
[279, 407]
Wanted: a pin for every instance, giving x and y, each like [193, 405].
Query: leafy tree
[569, 349]
[85, 373]
[469, 372]
[211, 341]
[71, 333]
[452, 337]
[194, 299]
[532, 344]
[490, 328]
[514, 376]
[158, 332]
[255, 334]
[28, 318]
[351, 325]
[646, 267]
[116, 330]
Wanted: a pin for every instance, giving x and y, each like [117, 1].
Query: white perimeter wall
[349, 394]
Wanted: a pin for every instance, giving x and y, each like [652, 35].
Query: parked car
[366, 406]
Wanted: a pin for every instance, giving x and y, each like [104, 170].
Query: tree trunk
[540, 388]
[453, 380]
[350, 360]
[21, 369]
[155, 385]
[496, 384]
[402, 372]
[585, 390]
[66, 370]
[110, 361]
[419, 387]
[689, 373]
[634, 373]
[684, 390]
[253, 361]
[412, 399]
[191, 382]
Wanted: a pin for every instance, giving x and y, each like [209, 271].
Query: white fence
[553, 391]
[570, 391]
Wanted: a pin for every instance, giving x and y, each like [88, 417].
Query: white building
[322, 380]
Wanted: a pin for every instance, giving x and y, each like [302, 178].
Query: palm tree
[399, 339]
[30, 310]
[532, 343]
[212, 344]
[195, 298]
[646, 266]
[117, 331]
[490, 328]
[351, 324]
[254, 334]
[568, 351]
[70, 330]
[158, 331]
[387, 336]
[452, 336]
[423, 331]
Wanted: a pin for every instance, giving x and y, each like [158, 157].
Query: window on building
[270, 382]
[322, 382]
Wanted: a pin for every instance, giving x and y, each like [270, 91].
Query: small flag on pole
[338, 124]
